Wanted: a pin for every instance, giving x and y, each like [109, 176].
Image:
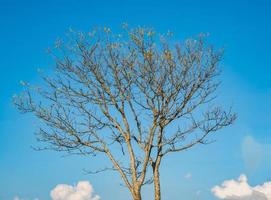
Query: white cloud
[82, 191]
[240, 190]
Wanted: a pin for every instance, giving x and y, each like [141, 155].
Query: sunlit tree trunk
[156, 180]
[137, 193]
[137, 197]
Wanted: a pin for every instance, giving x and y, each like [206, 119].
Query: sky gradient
[243, 28]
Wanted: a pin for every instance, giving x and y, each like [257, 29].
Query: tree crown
[137, 92]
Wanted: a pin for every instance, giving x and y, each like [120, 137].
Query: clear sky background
[28, 28]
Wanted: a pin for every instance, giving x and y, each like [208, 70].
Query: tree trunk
[156, 180]
[137, 197]
[137, 194]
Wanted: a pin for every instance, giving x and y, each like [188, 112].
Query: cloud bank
[82, 191]
[240, 190]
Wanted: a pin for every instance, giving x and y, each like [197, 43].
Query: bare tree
[137, 92]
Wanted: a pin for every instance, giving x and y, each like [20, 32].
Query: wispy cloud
[19, 198]
[188, 176]
[240, 190]
[252, 152]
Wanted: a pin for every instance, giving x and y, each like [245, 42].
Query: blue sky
[243, 27]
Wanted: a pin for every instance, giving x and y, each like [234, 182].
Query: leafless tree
[137, 92]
